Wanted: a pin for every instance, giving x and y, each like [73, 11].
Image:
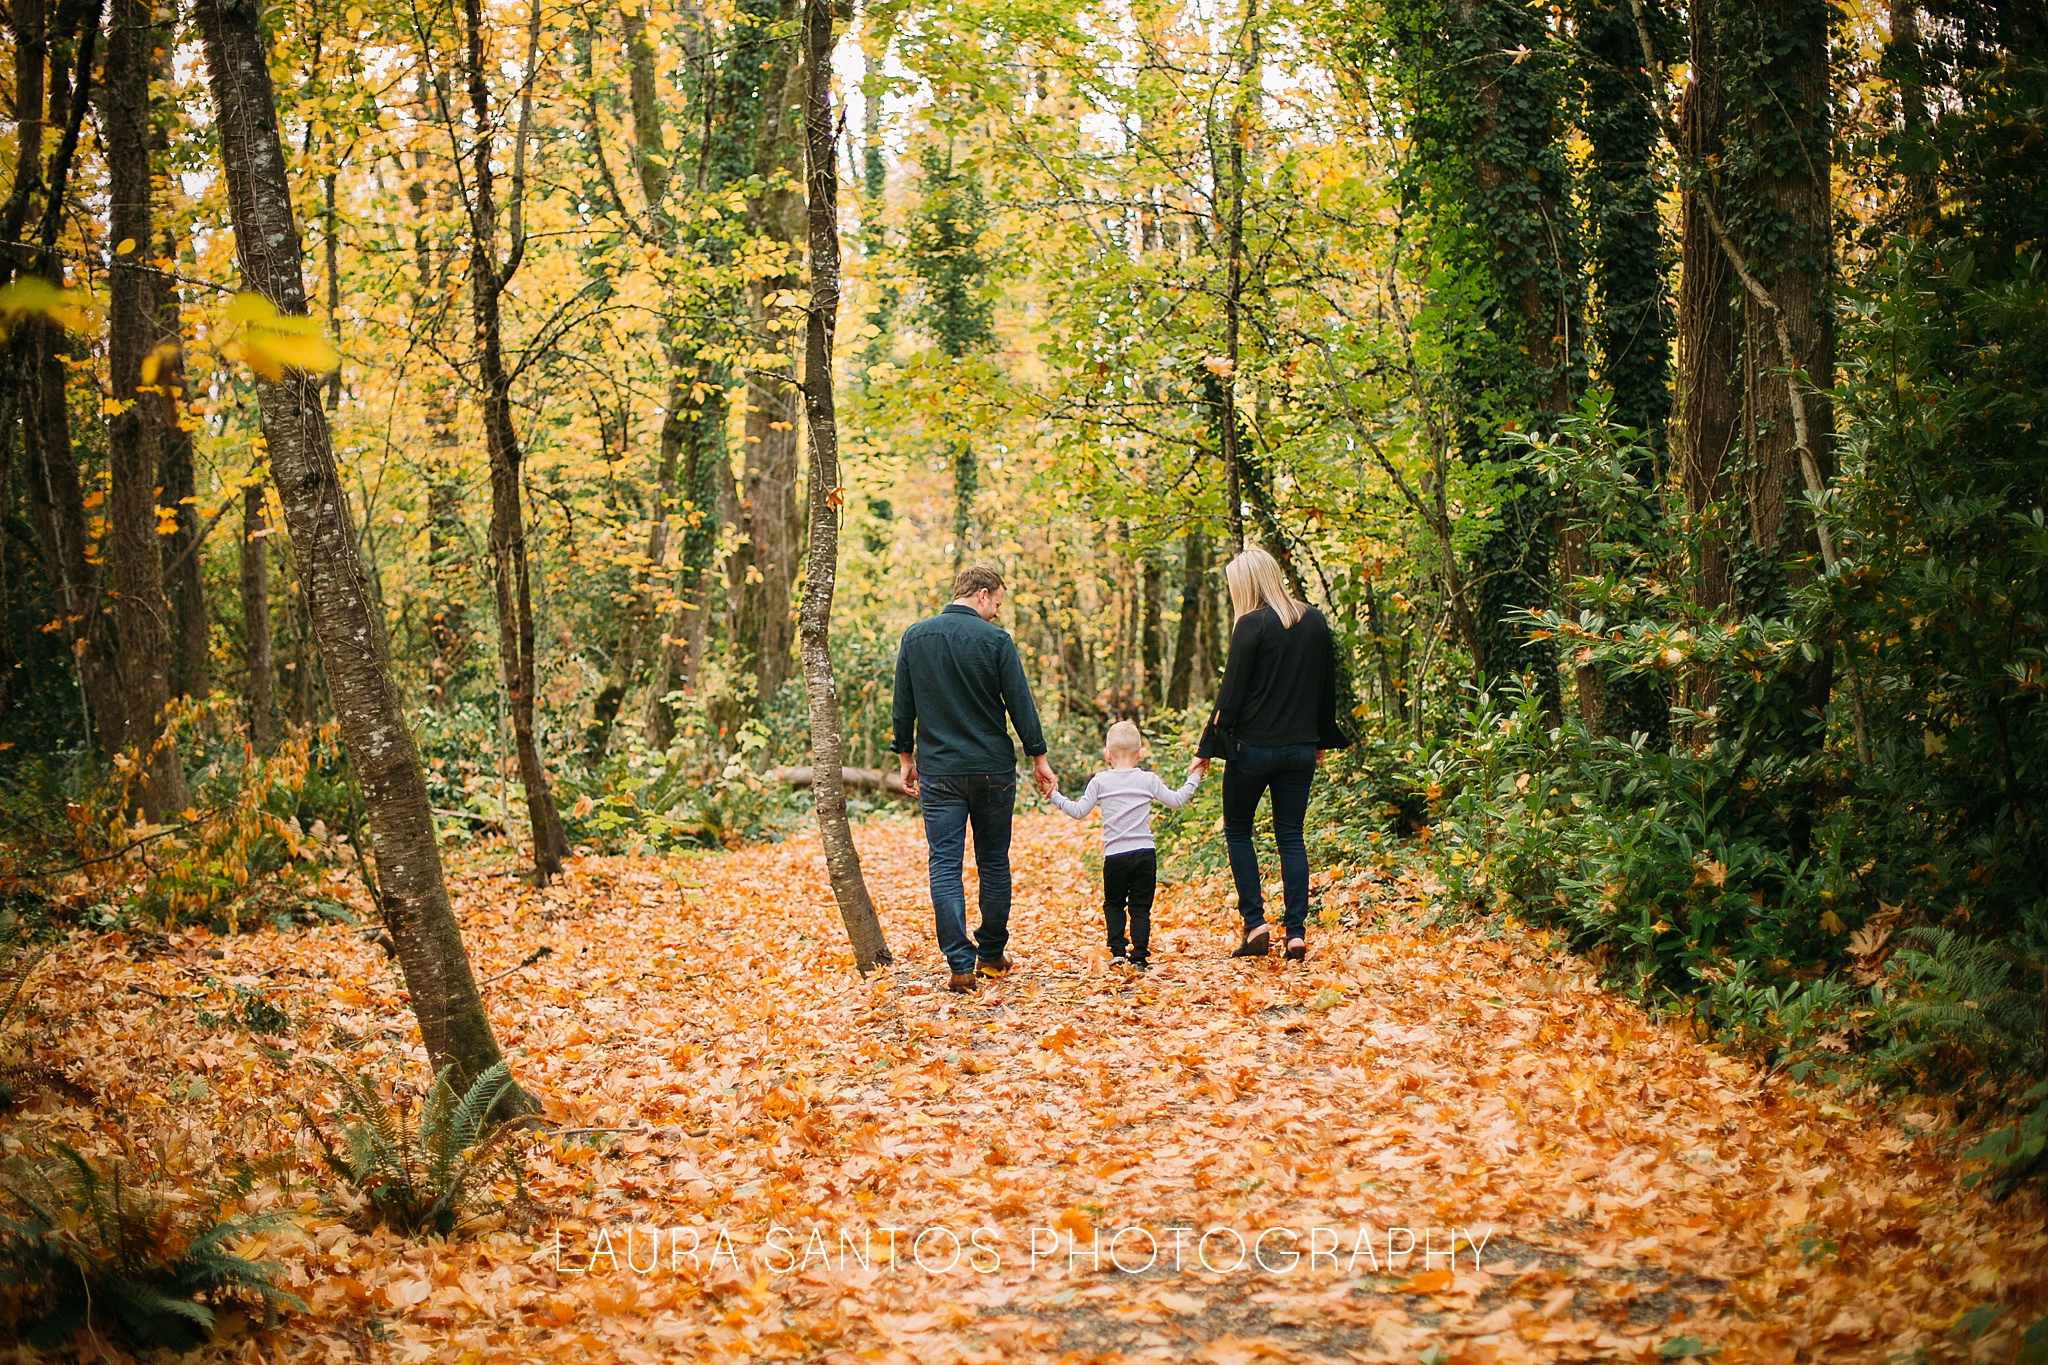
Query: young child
[1130, 864]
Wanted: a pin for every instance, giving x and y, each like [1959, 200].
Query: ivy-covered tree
[944, 249]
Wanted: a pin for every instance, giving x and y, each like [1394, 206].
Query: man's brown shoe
[961, 983]
[1000, 967]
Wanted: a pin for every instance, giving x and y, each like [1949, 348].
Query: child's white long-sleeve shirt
[1126, 796]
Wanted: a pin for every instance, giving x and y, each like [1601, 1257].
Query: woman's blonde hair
[1256, 581]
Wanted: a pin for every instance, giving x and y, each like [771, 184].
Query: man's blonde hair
[1256, 581]
[1124, 738]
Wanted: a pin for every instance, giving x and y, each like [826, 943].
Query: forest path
[1635, 1195]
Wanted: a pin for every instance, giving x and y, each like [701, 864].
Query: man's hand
[906, 767]
[1041, 772]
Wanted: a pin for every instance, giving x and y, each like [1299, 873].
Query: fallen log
[867, 779]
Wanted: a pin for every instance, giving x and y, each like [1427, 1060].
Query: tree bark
[1632, 328]
[1774, 202]
[1152, 633]
[828, 789]
[412, 894]
[1187, 642]
[509, 561]
[256, 618]
[192, 667]
[703, 441]
[763, 573]
[56, 488]
[1233, 293]
[625, 663]
[142, 613]
[177, 471]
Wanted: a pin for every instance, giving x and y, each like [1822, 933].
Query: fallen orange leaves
[1473, 1151]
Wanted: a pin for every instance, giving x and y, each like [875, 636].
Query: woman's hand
[1199, 768]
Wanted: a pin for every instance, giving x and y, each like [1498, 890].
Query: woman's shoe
[1297, 949]
[1257, 943]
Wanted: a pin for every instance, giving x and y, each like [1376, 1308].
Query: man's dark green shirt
[957, 677]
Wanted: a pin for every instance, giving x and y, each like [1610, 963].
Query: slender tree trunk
[703, 439]
[142, 613]
[1233, 293]
[412, 894]
[1187, 642]
[625, 663]
[511, 576]
[966, 482]
[179, 476]
[184, 580]
[56, 488]
[828, 791]
[1152, 646]
[256, 617]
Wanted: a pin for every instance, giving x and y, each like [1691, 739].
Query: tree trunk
[184, 580]
[966, 481]
[1710, 413]
[142, 613]
[1152, 634]
[1633, 332]
[701, 413]
[192, 663]
[1232, 228]
[412, 895]
[828, 790]
[56, 488]
[625, 664]
[510, 569]
[1187, 642]
[256, 617]
[1737, 380]
[763, 574]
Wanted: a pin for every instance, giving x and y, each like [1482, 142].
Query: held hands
[1199, 769]
[1041, 775]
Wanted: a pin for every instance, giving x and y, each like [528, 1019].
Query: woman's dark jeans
[1288, 771]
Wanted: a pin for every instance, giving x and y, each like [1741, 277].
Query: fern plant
[1958, 1007]
[420, 1171]
[101, 1250]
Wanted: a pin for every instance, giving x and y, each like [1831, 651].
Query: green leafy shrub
[106, 1252]
[420, 1171]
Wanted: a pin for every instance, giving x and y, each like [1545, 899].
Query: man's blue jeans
[951, 804]
[1289, 771]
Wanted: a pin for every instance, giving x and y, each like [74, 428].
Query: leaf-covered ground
[712, 1063]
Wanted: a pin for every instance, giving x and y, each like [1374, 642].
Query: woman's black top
[1279, 686]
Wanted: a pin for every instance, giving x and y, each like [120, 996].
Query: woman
[1275, 714]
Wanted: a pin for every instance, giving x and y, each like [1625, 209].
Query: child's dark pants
[1128, 879]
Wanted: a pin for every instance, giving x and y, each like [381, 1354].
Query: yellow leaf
[250, 306]
[126, 248]
[295, 349]
[33, 296]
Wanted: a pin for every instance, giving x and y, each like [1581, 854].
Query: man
[957, 679]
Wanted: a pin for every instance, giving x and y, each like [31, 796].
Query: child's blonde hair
[1124, 738]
